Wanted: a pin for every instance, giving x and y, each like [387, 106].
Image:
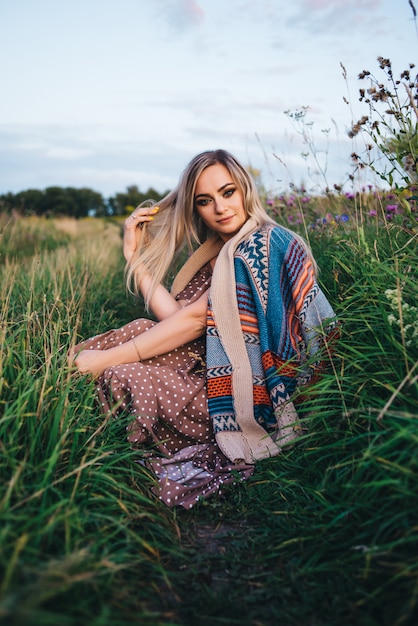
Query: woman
[208, 385]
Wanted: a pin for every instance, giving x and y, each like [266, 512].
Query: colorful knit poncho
[267, 317]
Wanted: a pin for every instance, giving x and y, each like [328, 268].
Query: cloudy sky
[109, 93]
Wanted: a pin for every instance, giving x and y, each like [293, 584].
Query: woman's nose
[219, 205]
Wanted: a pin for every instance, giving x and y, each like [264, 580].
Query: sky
[110, 93]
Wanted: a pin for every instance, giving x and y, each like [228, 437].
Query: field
[326, 534]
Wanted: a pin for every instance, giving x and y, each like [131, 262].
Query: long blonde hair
[178, 225]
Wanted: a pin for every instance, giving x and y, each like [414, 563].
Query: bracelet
[137, 351]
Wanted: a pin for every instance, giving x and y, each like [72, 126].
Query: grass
[325, 534]
[38, 234]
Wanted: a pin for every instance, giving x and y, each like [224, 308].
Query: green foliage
[73, 202]
[54, 201]
[24, 238]
[328, 533]
[125, 203]
[76, 516]
[324, 534]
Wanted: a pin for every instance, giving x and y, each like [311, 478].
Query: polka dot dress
[166, 397]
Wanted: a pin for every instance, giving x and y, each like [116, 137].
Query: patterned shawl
[266, 316]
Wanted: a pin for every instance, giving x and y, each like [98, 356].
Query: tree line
[75, 202]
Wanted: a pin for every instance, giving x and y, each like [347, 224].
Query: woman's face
[219, 202]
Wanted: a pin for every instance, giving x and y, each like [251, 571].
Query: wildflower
[392, 319]
[355, 129]
[372, 213]
[408, 324]
[384, 62]
[344, 217]
[392, 296]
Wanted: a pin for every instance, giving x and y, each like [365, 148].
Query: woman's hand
[132, 229]
[93, 362]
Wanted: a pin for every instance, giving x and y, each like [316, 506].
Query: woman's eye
[202, 202]
[228, 193]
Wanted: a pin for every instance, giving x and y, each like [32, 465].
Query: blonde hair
[178, 225]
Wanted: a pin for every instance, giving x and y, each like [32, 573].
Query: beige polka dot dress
[166, 397]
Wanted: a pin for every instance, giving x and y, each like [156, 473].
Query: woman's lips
[225, 220]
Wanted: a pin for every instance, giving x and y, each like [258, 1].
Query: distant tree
[124, 203]
[55, 201]
[86, 202]
[58, 201]
[76, 202]
[8, 202]
[104, 210]
[27, 202]
[152, 194]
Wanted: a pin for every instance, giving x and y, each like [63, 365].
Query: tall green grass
[18, 241]
[325, 534]
[76, 516]
[328, 533]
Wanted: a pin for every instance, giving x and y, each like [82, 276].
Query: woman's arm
[162, 303]
[184, 325]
